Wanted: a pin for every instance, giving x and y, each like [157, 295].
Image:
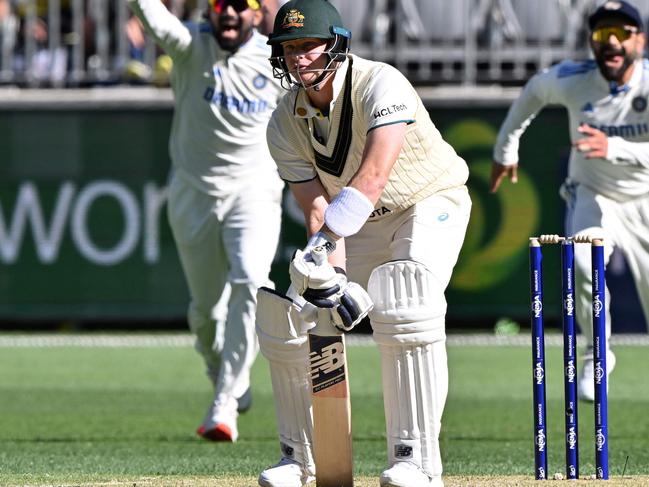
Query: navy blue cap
[617, 8]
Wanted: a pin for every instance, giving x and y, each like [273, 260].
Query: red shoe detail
[221, 432]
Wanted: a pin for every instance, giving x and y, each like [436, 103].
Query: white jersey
[367, 94]
[223, 103]
[621, 112]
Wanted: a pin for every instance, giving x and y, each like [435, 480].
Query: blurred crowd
[45, 43]
[76, 42]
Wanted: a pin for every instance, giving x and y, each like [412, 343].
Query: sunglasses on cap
[603, 34]
[239, 5]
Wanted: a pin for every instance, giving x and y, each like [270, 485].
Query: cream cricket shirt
[367, 94]
[620, 112]
[223, 103]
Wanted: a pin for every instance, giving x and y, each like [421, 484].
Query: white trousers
[430, 232]
[622, 224]
[226, 247]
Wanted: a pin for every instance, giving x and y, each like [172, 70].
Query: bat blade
[332, 434]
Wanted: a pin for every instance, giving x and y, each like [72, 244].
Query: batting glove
[349, 303]
[305, 274]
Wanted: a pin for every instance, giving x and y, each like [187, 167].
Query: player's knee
[409, 304]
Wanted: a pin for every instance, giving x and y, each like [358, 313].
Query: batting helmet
[301, 19]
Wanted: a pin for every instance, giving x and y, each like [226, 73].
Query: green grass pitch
[97, 415]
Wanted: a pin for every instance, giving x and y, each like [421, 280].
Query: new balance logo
[287, 451]
[402, 451]
[327, 360]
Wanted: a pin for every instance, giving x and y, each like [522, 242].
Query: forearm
[518, 118]
[313, 201]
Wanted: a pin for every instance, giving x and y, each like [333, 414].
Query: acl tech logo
[327, 359]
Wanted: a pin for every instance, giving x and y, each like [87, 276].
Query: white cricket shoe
[220, 422]
[287, 473]
[406, 474]
[586, 382]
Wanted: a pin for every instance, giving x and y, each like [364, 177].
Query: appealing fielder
[224, 190]
[607, 189]
[365, 163]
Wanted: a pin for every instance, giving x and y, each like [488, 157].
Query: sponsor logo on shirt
[627, 130]
[232, 103]
[384, 112]
[380, 212]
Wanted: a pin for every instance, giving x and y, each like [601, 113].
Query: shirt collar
[304, 108]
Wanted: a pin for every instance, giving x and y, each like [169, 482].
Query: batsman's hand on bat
[501, 171]
[327, 287]
[594, 144]
[349, 304]
[305, 274]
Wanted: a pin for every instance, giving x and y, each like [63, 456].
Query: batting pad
[409, 304]
[415, 385]
[287, 352]
[408, 324]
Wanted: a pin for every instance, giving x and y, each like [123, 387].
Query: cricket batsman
[382, 190]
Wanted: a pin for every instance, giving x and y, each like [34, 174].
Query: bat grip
[319, 255]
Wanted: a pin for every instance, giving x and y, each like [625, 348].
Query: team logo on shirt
[588, 108]
[639, 104]
[293, 18]
[260, 81]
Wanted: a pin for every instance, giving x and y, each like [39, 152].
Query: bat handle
[319, 254]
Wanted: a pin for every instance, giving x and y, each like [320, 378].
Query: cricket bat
[332, 426]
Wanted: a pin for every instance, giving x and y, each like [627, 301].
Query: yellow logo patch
[293, 18]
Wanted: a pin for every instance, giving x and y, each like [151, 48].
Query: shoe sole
[220, 432]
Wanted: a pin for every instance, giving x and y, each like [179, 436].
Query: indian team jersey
[367, 95]
[223, 103]
[620, 112]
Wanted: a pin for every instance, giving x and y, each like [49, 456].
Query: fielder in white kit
[607, 188]
[224, 191]
[377, 182]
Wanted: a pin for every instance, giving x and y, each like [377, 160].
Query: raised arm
[167, 29]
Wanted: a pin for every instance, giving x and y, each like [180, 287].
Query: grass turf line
[74, 415]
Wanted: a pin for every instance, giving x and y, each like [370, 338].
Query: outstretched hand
[499, 172]
[594, 144]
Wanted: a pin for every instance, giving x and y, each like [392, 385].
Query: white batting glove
[353, 305]
[348, 301]
[307, 274]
